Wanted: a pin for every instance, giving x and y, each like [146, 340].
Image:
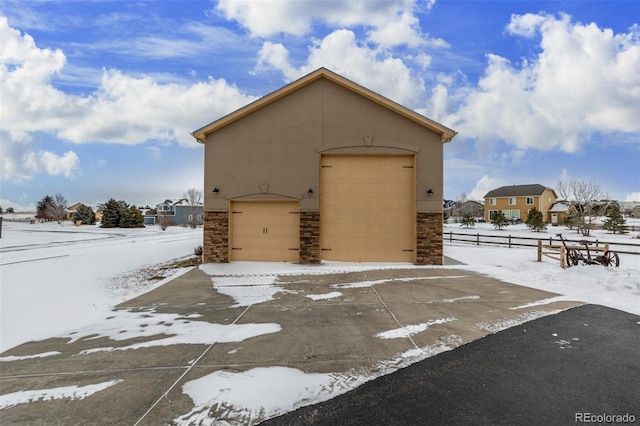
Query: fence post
[0, 226]
[509, 240]
[596, 243]
[450, 236]
[539, 250]
[478, 239]
[563, 257]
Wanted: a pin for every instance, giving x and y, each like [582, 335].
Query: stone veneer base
[215, 248]
[429, 234]
[429, 227]
[309, 237]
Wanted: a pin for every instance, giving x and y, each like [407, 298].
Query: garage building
[323, 169]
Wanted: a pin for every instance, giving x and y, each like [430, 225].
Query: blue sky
[98, 98]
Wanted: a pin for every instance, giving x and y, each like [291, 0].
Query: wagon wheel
[573, 258]
[611, 258]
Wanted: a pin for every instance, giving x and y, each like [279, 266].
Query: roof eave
[446, 134]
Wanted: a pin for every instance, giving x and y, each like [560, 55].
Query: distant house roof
[560, 207]
[172, 202]
[518, 190]
[74, 207]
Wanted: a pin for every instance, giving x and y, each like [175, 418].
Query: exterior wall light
[430, 191]
[216, 190]
[310, 191]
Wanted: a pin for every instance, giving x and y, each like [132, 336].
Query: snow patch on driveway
[325, 296]
[260, 393]
[248, 290]
[505, 323]
[65, 392]
[410, 330]
[24, 357]
[169, 329]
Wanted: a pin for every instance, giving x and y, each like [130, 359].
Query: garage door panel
[265, 231]
[367, 208]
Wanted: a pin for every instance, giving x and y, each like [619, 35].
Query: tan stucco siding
[502, 204]
[542, 203]
[275, 151]
[546, 201]
[348, 118]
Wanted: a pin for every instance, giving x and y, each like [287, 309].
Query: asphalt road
[581, 364]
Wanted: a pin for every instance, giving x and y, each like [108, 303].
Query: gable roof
[518, 190]
[446, 134]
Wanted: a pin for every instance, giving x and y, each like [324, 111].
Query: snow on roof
[560, 207]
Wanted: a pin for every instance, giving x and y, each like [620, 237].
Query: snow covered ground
[618, 288]
[63, 280]
[56, 278]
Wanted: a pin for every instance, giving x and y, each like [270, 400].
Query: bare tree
[586, 197]
[458, 210]
[56, 208]
[194, 199]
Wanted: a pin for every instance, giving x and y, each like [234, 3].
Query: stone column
[309, 237]
[215, 248]
[429, 238]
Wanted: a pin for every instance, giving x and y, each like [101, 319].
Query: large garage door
[265, 230]
[367, 208]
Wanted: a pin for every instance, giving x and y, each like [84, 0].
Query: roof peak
[446, 133]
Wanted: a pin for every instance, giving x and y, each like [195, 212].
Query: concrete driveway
[346, 329]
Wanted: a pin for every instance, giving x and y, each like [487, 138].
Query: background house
[515, 201]
[74, 207]
[175, 212]
[323, 169]
[559, 212]
[630, 208]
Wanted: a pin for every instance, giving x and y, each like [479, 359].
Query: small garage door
[367, 208]
[265, 230]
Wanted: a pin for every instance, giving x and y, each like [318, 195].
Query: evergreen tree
[126, 218]
[137, 217]
[499, 221]
[44, 208]
[110, 214]
[85, 214]
[615, 222]
[467, 220]
[118, 214]
[535, 220]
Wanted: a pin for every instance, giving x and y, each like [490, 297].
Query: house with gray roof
[515, 201]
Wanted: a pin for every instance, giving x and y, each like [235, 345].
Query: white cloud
[275, 55]
[585, 80]
[389, 22]
[484, 185]
[525, 25]
[123, 109]
[58, 164]
[21, 161]
[340, 52]
[634, 196]
[404, 29]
